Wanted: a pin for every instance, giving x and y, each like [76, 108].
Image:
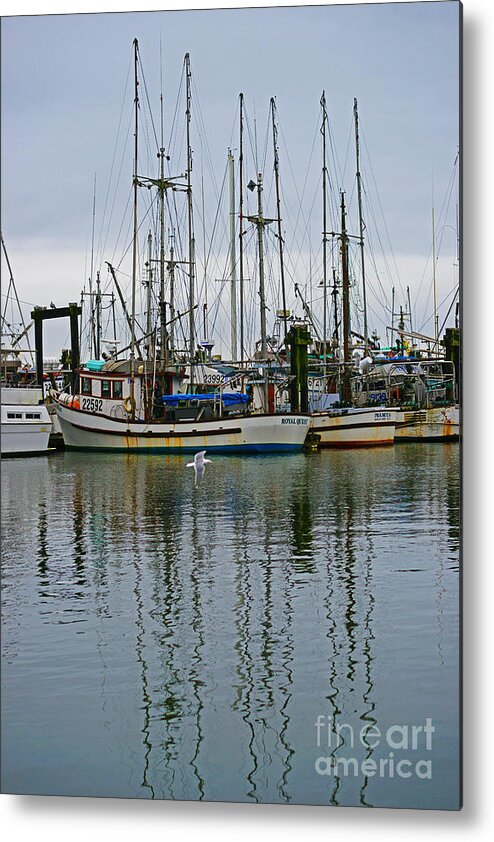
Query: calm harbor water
[230, 641]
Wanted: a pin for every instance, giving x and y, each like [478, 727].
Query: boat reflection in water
[163, 640]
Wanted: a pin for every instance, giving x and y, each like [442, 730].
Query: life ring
[128, 404]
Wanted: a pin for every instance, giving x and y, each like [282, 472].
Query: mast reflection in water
[162, 640]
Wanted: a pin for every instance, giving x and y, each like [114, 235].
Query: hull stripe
[350, 444]
[158, 433]
[223, 449]
[336, 428]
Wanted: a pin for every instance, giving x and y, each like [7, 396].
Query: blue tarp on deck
[227, 398]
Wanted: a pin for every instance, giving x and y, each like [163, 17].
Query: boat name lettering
[382, 416]
[92, 404]
[294, 420]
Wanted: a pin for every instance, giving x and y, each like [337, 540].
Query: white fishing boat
[156, 401]
[25, 422]
[348, 425]
[344, 424]
[441, 423]
[103, 415]
[421, 393]
[354, 427]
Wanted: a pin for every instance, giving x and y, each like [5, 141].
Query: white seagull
[199, 464]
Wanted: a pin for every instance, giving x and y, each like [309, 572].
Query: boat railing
[399, 384]
[438, 380]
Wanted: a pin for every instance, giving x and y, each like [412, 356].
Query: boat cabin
[104, 388]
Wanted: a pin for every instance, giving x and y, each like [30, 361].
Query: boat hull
[247, 434]
[24, 437]
[436, 424]
[354, 428]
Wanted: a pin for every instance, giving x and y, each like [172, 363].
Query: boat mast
[345, 300]
[392, 315]
[163, 185]
[92, 337]
[278, 213]
[324, 235]
[259, 220]
[171, 269]
[361, 224]
[114, 321]
[434, 277]
[134, 243]
[335, 306]
[190, 224]
[97, 345]
[148, 295]
[409, 309]
[233, 270]
[241, 230]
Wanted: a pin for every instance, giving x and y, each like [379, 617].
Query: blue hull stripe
[239, 448]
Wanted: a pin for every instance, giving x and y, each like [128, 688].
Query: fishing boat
[422, 393]
[418, 376]
[352, 427]
[439, 424]
[25, 422]
[153, 402]
[344, 424]
[103, 414]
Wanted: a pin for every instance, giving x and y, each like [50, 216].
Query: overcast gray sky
[64, 80]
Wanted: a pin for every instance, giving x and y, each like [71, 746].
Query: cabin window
[105, 389]
[33, 415]
[117, 389]
[14, 414]
[86, 385]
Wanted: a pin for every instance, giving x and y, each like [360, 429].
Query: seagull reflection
[199, 465]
